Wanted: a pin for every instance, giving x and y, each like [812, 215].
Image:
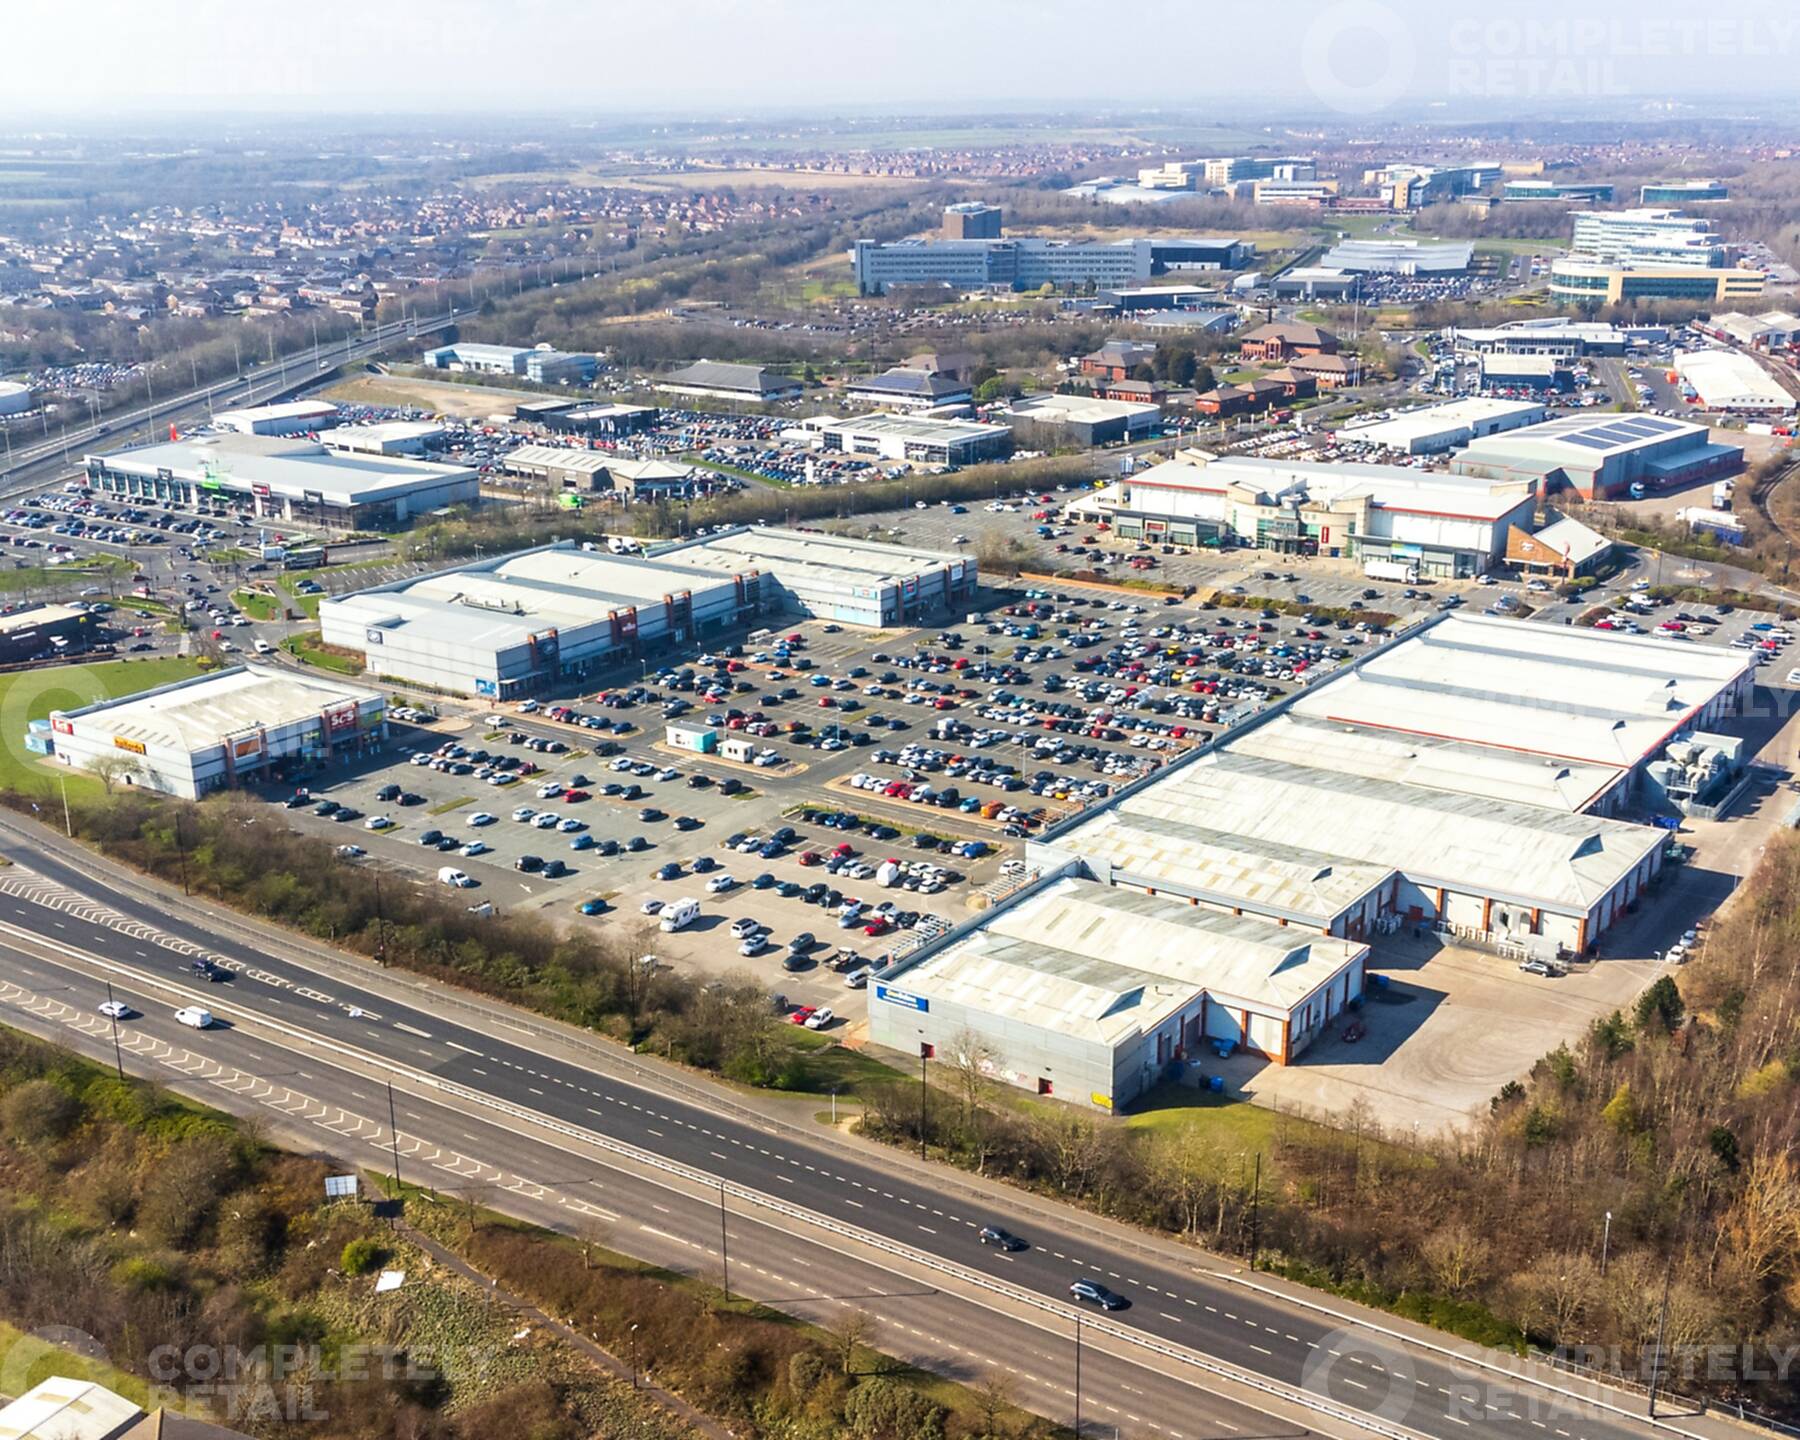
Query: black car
[649, 815]
[686, 822]
[554, 869]
[431, 837]
[325, 807]
[1000, 1238]
[388, 792]
[636, 843]
[1092, 1292]
[530, 864]
[802, 942]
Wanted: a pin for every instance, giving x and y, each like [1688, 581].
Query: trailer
[1403, 571]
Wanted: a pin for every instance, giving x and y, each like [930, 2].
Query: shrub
[39, 1111]
[363, 1255]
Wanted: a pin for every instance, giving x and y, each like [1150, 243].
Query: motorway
[310, 1029]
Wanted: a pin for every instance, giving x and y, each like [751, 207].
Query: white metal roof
[1404, 430]
[1456, 766]
[800, 556]
[283, 410]
[1589, 439]
[1271, 878]
[63, 1409]
[1572, 540]
[1079, 409]
[1103, 965]
[1558, 692]
[199, 713]
[289, 466]
[1393, 487]
[924, 428]
[1731, 380]
[1558, 861]
[558, 457]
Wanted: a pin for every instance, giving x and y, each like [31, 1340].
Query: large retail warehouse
[216, 730]
[1453, 779]
[270, 477]
[523, 623]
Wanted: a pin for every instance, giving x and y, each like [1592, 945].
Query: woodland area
[160, 1229]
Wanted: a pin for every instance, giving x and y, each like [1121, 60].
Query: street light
[1605, 1243]
[634, 1364]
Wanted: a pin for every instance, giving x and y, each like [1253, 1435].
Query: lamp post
[113, 1014]
[634, 1364]
[724, 1247]
[1605, 1243]
[1078, 1375]
[924, 1100]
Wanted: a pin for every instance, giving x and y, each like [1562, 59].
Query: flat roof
[1561, 693]
[1102, 965]
[284, 410]
[925, 428]
[1560, 861]
[1436, 762]
[828, 559]
[561, 584]
[46, 614]
[560, 457]
[201, 712]
[63, 1409]
[289, 466]
[1292, 881]
[1078, 409]
[1400, 431]
[1391, 487]
[1589, 438]
[382, 433]
[1730, 379]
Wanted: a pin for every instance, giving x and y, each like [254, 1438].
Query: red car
[811, 857]
[876, 927]
[800, 1014]
[570, 797]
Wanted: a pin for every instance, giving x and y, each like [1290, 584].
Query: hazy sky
[71, 58]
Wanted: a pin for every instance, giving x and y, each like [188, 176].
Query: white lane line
[464, 1048]
[412, 1030]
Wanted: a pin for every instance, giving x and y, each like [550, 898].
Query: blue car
[582, 842]
[596, 906]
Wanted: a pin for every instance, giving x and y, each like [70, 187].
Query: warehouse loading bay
[1444, 1024]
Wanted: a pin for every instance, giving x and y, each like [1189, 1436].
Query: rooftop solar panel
[1589, 441]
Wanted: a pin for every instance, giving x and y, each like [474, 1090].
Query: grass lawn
[53, 577]
[829, 1066]
[33, 694]
[307, 605]
[30, 1361]
[257, 605]
[309, 650]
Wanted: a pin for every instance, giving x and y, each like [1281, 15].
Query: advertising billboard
[136, 747]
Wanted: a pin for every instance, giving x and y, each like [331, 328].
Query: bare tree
[111, 770]
[855, 1329]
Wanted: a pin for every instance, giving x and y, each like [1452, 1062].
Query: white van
[679, 914]
[450, 875]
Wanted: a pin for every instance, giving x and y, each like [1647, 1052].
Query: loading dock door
[1222, 1024]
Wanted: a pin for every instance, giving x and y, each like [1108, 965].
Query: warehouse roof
[1289, 881]
[926, 429]
[1404, 430]
[1560, 862]
[557, 457]
[798, 556]
[387, 432]
[1102, 964]
[200, 712]
[1458, 766]
[909, 384]
[289, 466]
[1562, 693]
[1078, 409]
[283, 410]
[721, 375]
[34, 615]
[1393, 487]
[1588, 438]
[1731, 380]
[63, 1409]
